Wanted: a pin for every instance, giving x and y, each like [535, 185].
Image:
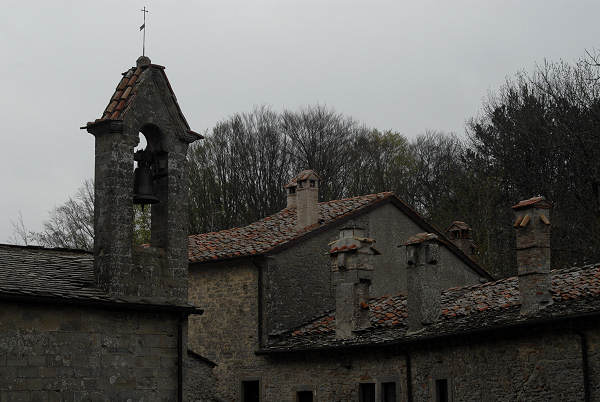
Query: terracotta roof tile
[574, 290]
[126, 91]
[458, 225]
[272, 231]
[539, 201]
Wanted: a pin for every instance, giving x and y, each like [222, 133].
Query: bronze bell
[143, 188]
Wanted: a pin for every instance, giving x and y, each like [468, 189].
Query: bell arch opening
[150, 188]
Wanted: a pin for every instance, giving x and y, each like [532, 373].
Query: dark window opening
[312, 183]
[292, 190]
[304, 396]
[441, 390]
[250, 391]
[388, 392]
[366, 392]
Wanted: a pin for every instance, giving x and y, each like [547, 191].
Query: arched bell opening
[150, 188]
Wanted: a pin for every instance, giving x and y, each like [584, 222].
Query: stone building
[109, 325]
[398, 314]
[358, 299]
[257, 282]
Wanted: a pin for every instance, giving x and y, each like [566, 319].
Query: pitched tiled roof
[126, 91]
[272, 231]
[279, 229]
[124, 94]
[575, 291]
[384, 311]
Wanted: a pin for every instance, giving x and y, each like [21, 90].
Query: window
[304, 396]
[250, 391]
[388, 392]
[441, 390]
[312, 183]
[366, 392]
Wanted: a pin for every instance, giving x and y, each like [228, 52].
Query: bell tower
[143, 102]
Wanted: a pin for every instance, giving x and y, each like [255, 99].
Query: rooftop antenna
[143, 28]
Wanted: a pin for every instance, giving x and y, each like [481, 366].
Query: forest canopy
[538, 134]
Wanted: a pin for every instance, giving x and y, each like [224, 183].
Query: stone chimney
[352, 268]
[460, 234]
[307, 199]
[532, 227]
[290, 190]
[424, 284]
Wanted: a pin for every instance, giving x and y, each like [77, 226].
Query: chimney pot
[461, 235]
[424, 285]
[306, 185]
[352, 266]
[532, 227]
[290, 189]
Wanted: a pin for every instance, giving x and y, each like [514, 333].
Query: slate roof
[279, 230]
[575, 291]
[47, 273]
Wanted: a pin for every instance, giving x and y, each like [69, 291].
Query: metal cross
[143, 28]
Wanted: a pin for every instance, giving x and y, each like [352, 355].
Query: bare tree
[20, 234]
[71, 225]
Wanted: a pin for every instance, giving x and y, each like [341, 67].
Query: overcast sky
[402, 65]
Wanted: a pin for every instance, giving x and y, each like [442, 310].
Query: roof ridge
[387, 193]
[274, 231]
[56, 249]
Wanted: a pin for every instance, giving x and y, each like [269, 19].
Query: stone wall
[593, 348]
[536, 367]
[227, 332]
[199, 381]
[61, 353]
[296, 285]
[298, 282]
[332, 376]
[541, 366]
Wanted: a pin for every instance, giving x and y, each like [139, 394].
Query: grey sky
[407, 66]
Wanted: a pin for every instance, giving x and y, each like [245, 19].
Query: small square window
[250, 391]
[304, 396]
[388, 392]
[441, 390]
[366, 392]
[312, 183]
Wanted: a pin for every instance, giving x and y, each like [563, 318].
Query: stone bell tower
[143, 103]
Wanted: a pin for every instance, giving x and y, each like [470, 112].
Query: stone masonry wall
[61, 353]
[593, 347]
[227, 332]
[332, 376]
[298, 281]
[537, 367]
[199, 381]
